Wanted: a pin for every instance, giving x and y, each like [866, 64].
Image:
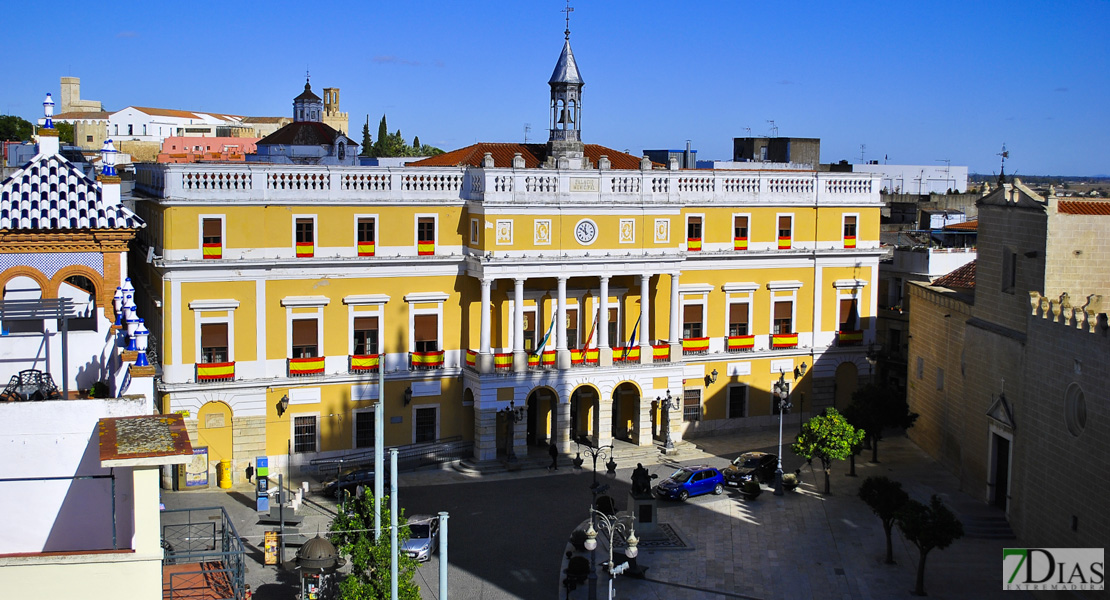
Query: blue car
[691, 481]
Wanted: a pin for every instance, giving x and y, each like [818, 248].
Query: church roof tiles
[51, 193]
[534, 156]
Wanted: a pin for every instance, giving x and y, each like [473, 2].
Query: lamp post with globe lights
[781, 395]
[612, 524]
[513, 415]
[666, 405]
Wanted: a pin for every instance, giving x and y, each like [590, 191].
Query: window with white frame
[691, 405]
[425, 320]
[304, 236]
[739, 316]
[474, 232]
[693, 320]
[366, 235]
[213, 343]
[850, 231]
[740, 232]
[364, 332]
[572, 327]
[304, 433]
[305, 337]
[737, 401]
[785, 231]
[782, 319]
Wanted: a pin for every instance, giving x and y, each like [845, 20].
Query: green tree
[885, 497]
[416, 142]
[352, 532]
[827, 437]
[367, 141]
[928, 527]
[14, 129]
[65, 132]
[877, 407]
[383, 139]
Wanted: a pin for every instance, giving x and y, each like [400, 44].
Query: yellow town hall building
[572, 280]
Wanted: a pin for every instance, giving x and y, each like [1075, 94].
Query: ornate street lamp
[513, 415]
[612, 524]
[596, 489]
[666, 405]
[781, 395]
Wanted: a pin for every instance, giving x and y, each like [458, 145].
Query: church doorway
[1000, 459]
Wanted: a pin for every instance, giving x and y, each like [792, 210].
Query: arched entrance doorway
[542, 416]
[626, 412]
[583, 415]
[847, 382]
[214, 429]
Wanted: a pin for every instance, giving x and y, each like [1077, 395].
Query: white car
[423, 537]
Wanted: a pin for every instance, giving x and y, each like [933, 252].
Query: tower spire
[569, 9]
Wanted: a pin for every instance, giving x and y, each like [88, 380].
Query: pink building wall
[179, 149]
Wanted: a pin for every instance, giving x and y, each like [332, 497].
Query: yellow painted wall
[715, 395]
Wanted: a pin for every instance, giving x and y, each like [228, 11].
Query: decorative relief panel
[628, 231]
[504, 232]
[662, 231]
[542, 232]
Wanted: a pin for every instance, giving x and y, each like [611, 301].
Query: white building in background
[918, 179]
[142, 124]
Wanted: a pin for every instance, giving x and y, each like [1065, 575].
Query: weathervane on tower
[567, 10]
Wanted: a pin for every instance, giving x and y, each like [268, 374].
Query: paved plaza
[509, 532]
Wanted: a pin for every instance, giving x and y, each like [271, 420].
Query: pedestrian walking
[554, 453]
[250, 473]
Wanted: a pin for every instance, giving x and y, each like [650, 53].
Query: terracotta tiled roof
[263, 119]
[961, 278]
[99, 115]
[1083, 207]
[51, 193]
[166, 112]
[302, 133]
[534, 156]
[965, 226]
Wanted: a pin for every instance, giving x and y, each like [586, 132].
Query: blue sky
[914, 82]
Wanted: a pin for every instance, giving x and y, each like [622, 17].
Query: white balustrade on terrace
[301, 184]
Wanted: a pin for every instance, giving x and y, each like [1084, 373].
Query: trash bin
[223, 474]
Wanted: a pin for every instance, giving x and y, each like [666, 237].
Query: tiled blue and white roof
[51, 193]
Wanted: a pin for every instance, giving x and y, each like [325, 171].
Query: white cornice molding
[365, 299]
[427, 297]
[849, 284]
[745, 286]
[221, 304]
[784, 285]
[302, 301]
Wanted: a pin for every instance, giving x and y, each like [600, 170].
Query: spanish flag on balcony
[695, 344]
[741, 342]
[471, 358]
[661, 352]
[366, 248]
[215, 371]
[631, 354]
[213, 251]
[533, 360]
[548, 358]
[503, 360]
[693, 244]
[784, 340]
[425, 248]
[427, 359]
[368, 362]
[592, 355]
[306, 366]
[849, 241]
[305, 250]
[784, 242]
[576, 357]
[740, 243]
[849, 337]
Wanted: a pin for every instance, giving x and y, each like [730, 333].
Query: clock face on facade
[585, 231]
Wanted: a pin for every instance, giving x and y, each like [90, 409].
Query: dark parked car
[760, 465]
[691, 481]
[350, 480]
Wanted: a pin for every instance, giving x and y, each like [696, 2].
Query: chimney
[48, 135]
[109, 181]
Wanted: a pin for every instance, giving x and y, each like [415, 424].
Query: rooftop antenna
[567, 10]
[947, 171]
[749, 130]
[862, 149]
[527, 130]
[774, 128]
[1004, 154]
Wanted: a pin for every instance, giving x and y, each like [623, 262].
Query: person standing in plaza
[554, 453]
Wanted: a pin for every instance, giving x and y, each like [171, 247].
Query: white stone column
[485, 359]
[645, 321]
[520, 357]
[562, 426]
[604, 352]
[562, 356]
[676, 319]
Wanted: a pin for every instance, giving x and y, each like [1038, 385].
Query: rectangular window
[425, 236]
[365, 335]
[426, 333]
[305, 338]
[88, 139]
[529, 331]
[614, 328]
[738, 319]
[304, 434]
[849, 315]
[425, 425]
[693, 234]
[130, 129]
[212, 238]
[850, 231]
[783, 319]
[572, 328]
[920, 367]
[740, 233]
[474, 232]
[305, 238]
[213, 342]
[367, 236]
[1009, 270]
[785, 230]
[940, 378]
[737, 401]
[364, 429]
[691, 405]
[691, 321]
